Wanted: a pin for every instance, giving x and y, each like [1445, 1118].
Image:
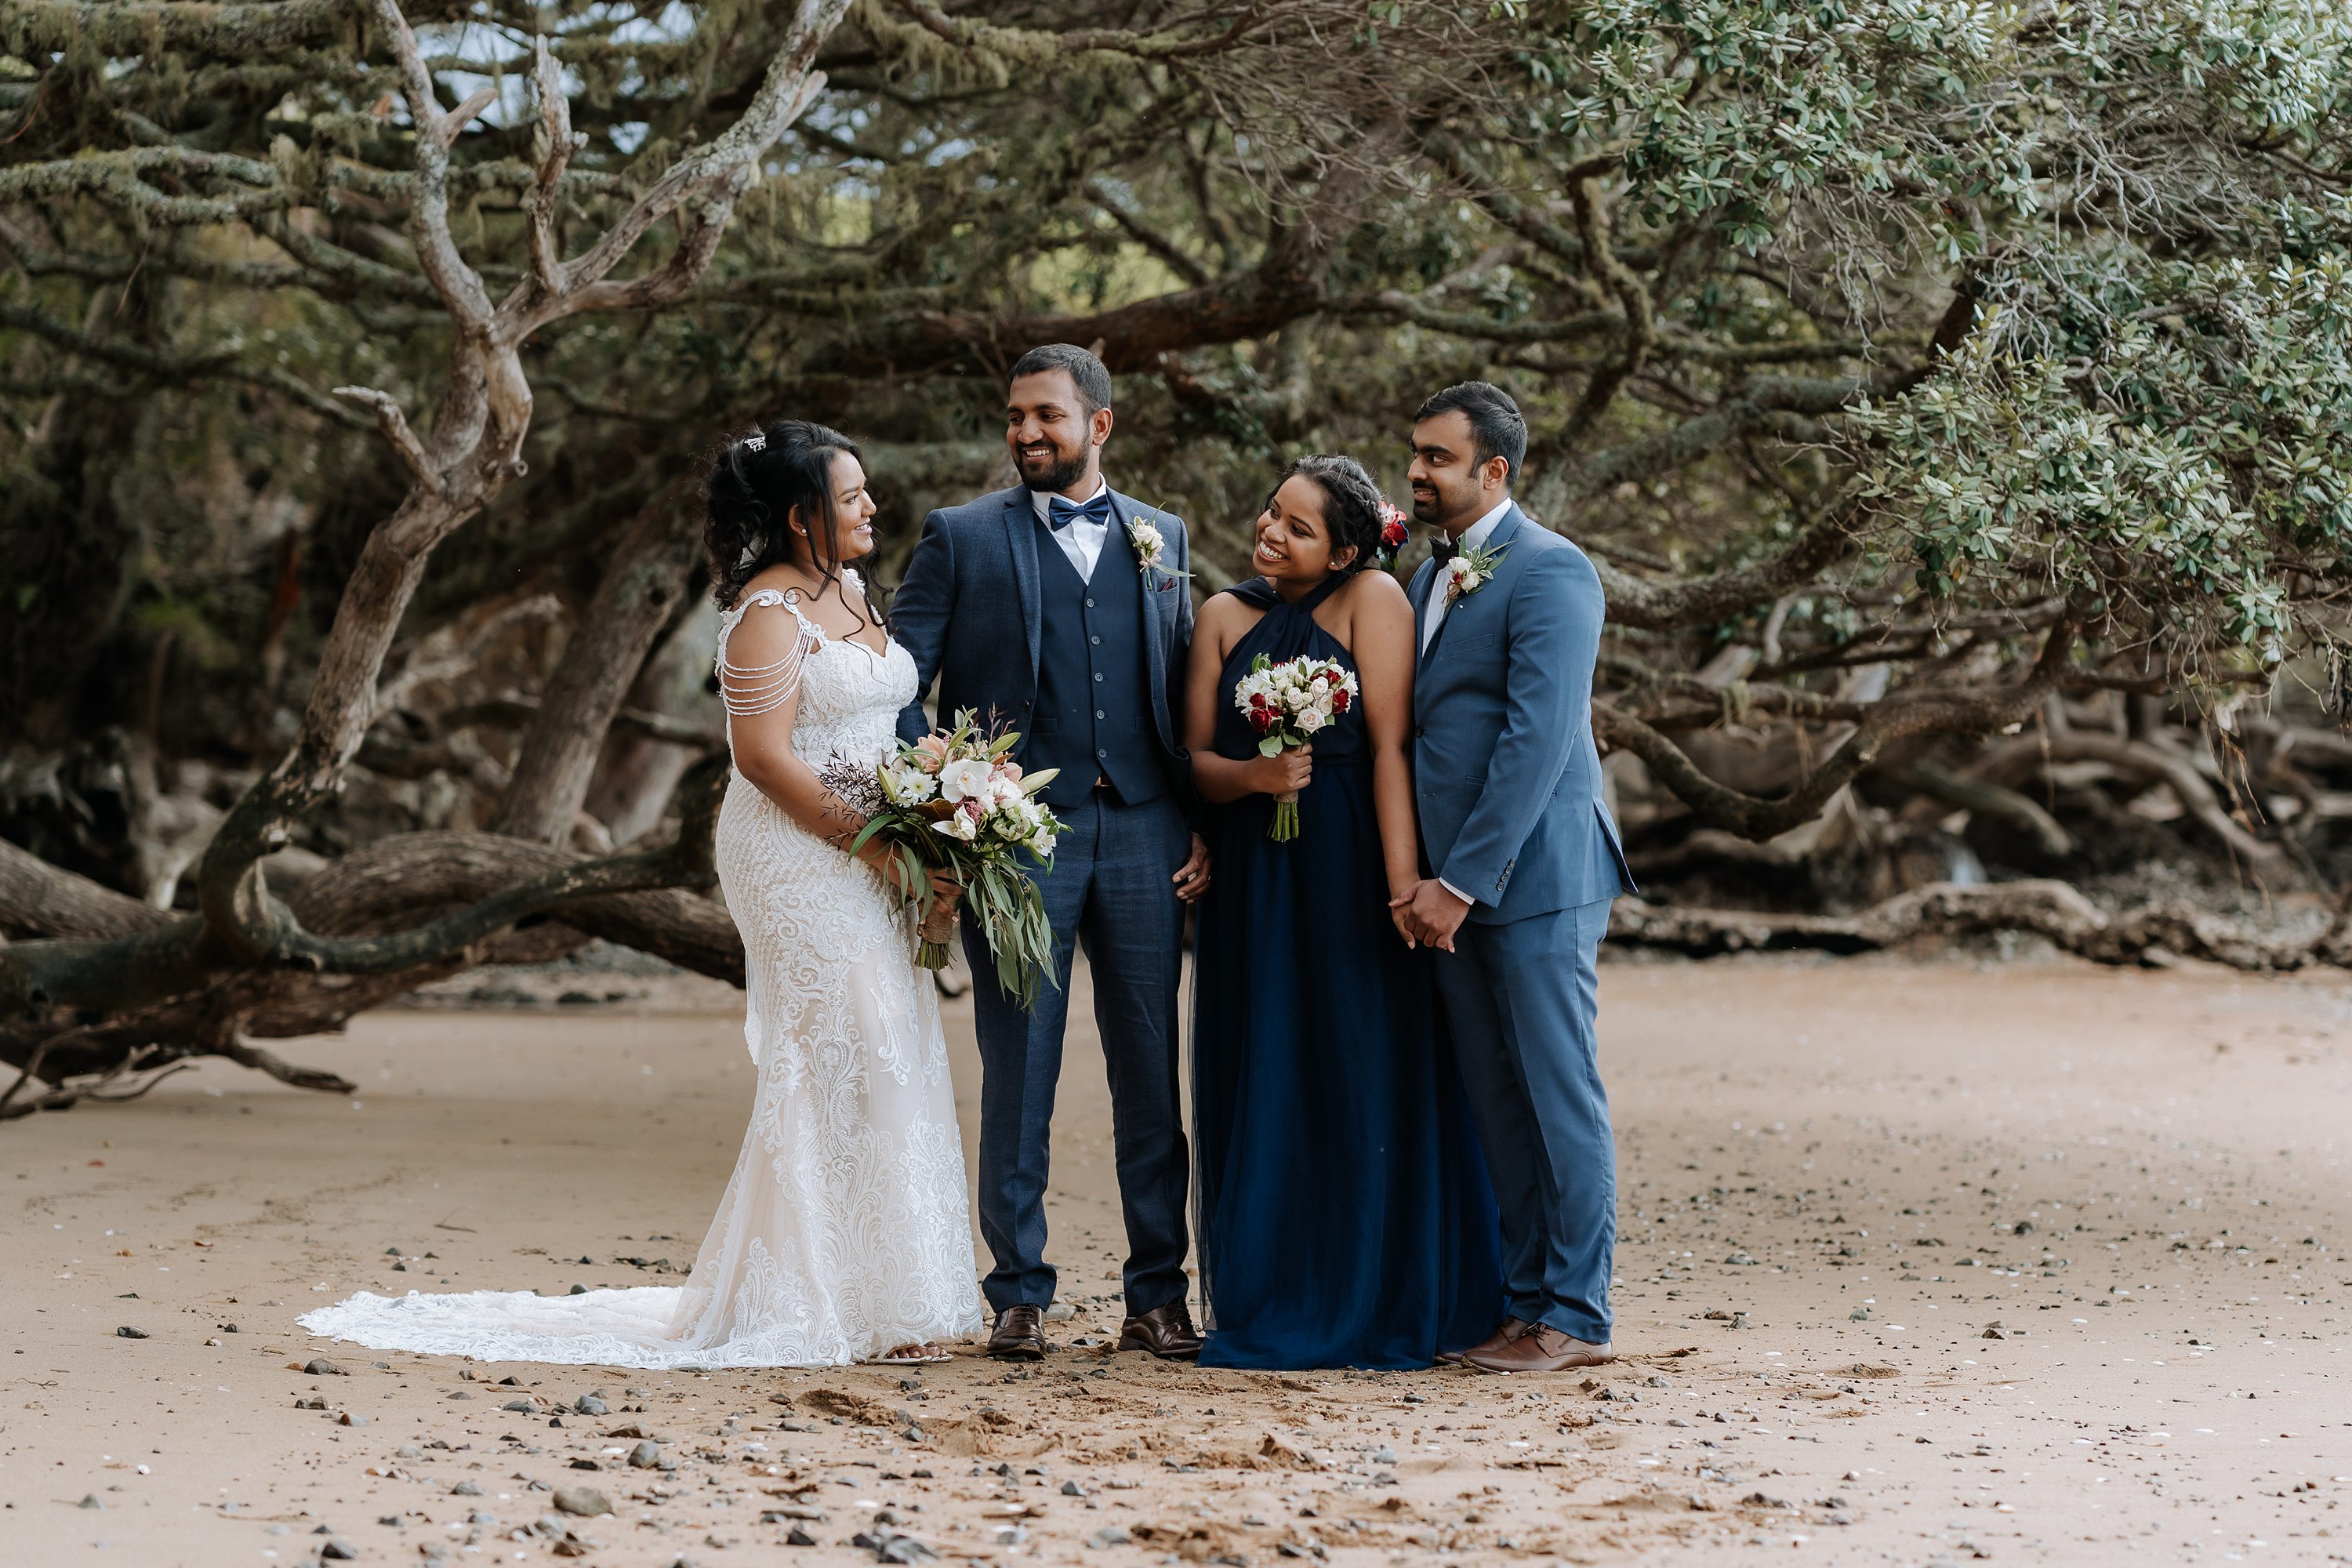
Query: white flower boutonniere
[1151, 550]
[1471, 571]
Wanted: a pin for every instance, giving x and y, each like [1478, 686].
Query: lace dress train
[844, 1230]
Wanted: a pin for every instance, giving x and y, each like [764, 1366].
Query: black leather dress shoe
[1019, 1335]
[1166, 1331]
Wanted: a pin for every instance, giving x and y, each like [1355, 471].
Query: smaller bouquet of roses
[1287, 703]
[956, 800]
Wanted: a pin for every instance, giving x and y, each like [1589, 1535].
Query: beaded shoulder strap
[750, 691]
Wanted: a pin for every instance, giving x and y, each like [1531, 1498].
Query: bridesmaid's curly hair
[756, 482]
[1353, 507]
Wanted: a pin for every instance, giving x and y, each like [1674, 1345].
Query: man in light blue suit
[1058, 609]
[1521, 863]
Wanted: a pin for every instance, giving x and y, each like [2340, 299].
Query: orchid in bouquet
[1287, 703]
[956, 800]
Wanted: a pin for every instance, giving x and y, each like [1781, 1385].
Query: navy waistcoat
[1094, 694]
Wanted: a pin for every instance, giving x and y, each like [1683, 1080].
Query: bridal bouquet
[1285, 703]
[956, 800]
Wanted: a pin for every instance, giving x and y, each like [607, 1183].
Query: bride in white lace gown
[845, 1234]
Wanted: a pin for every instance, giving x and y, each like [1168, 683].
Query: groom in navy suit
[1523, 862]
[1058, 609]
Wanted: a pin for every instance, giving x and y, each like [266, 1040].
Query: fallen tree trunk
[390, 885]
[39, 899]
[2155, 935]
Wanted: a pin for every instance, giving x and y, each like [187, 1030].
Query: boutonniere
[1472, 570]
[1150, 551]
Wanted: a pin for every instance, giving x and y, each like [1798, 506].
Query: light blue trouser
[1111, 891]
[1519, 1001]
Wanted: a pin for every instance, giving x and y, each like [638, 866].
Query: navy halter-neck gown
[1345, 1215]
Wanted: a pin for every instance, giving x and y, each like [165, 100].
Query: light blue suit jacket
[971, 606]
[1505, 773]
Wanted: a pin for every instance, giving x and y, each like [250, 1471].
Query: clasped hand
[1428, 913]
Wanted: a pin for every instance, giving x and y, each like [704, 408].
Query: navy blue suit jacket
[1505, 773]
[970, 613]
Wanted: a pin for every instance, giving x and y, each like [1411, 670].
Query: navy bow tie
[1061, 511]
[1443, 549]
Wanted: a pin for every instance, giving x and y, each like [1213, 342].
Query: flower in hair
[1393, 533]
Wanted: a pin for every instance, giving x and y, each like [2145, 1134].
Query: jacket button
[1090, 603]
[1099, 674]
[1094, 639]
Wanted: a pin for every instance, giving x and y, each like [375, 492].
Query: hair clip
[757, 441]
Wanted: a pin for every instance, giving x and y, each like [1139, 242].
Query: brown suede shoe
[1166, 1331]
[1540, 1349]
[1020, 1334]
[1512, 1329]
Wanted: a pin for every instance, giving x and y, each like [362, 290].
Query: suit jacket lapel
[1155, 648]
[1417, 593]
[1021, 536]
[1498, 540]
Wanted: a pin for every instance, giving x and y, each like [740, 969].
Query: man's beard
[1066, 471]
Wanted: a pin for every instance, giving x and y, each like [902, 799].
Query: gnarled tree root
[2152, 935]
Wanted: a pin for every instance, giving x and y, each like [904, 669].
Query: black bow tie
[1061, 511]
[1443, 549]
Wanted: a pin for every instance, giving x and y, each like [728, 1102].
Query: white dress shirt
[1081, 541]
[1472, 538]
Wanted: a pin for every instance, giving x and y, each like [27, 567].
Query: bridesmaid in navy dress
[1345, 1216]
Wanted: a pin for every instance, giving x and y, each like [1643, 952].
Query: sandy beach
[1920, 1263]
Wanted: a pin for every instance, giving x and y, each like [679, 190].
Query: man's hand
[1431, 912]
[1192, 877]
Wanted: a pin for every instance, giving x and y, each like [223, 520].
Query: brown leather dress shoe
[1540, 1349]
[1512, 1329]
[1020, 1334]
[1166, 1331]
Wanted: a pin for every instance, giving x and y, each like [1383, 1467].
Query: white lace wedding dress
[845, 1231]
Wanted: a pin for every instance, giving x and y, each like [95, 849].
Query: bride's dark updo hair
[756, 481]
[1353, 508]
